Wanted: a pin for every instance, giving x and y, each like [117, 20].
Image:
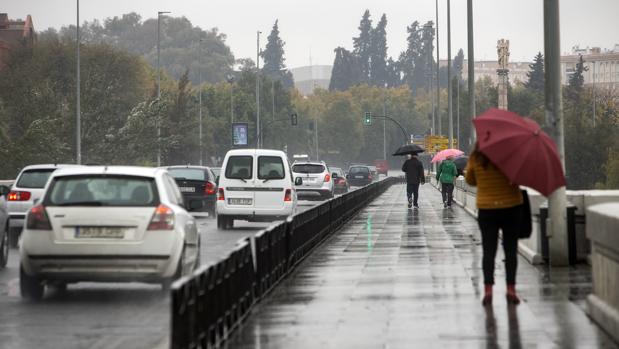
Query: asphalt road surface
[93, 315]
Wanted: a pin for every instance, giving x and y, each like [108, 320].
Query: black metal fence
[208, 305]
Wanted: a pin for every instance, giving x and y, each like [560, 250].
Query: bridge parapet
[603, 231]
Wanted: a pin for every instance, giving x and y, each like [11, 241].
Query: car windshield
[270, 167]
[103, 191]
[193, 174]
[239, 167]
[308, 168]
[355, 170]
[34, 178]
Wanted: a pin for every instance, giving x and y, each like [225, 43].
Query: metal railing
[207, 306]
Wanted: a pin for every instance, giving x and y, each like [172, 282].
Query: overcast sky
[318, 26]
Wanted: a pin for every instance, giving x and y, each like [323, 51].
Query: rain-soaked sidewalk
[400, 278]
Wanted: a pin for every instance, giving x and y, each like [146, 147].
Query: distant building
[14, 33]
[517, 71]
[307, 78]
[602, 67]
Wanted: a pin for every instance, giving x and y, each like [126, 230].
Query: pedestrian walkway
[400, 278]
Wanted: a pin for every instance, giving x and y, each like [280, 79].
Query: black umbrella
[460, 162]
[409, 149]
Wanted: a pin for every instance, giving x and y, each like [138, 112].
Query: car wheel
[4, 248]
[14, 236]
[167, 283]
[221, 222]
[30, 287]
[229, 223]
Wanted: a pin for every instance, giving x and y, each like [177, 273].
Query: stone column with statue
[503, 71]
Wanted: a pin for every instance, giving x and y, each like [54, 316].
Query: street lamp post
[200, 97]
[159, 13]
[230, 79]
[471, 65]
[438, 79]
[258, 135]
[78, 127]
[449, 93]
[593, 90]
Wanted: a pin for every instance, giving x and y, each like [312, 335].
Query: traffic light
[367, 121]
[293, 119]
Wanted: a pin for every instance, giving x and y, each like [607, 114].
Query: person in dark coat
[414, 176]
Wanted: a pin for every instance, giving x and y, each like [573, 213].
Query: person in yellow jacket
[498, 203]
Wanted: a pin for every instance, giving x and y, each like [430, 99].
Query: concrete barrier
[531, 249]
[603, 231]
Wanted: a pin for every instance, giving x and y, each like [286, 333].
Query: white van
[255, 185]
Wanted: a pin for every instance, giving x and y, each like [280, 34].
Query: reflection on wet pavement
[401, 278]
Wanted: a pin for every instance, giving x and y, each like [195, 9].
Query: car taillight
[37, 219]
[19, 196]
[327, 178]
[163, 219]
[221, 196]
[288, 195]
[209, 188]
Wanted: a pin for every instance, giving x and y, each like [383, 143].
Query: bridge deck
[400, 278]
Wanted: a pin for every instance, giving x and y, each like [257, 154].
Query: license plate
[358, 177]
[187, 189]
[99, 232]
[240, 201]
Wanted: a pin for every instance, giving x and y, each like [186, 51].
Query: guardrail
[208, 305]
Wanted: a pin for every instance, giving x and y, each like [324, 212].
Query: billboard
[239, 134]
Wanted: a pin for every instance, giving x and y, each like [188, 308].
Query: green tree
[458, 65]
[273, 56]
[536, 74]
[346, 70]
[363, 45]
[410, 57]
[577, 80]
[378, 54]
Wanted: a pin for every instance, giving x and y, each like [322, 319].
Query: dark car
[340, 184]
[359, 176]
[198, 186]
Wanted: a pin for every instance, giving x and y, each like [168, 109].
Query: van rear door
[239, 189]
[271, 182]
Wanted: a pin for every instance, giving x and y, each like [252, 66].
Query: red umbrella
[520, 149]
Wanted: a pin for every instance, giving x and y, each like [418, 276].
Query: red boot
[487, 300]
[511, 296]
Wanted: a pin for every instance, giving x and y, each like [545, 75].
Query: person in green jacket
[446, 175]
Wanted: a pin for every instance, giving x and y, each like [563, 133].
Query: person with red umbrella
[510, 151]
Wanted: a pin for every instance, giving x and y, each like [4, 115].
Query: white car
[28, 188]
[316, 180]
[106, 224]
[255, 185]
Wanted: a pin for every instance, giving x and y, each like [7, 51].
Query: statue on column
[502, 48]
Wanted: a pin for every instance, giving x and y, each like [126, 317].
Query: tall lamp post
[258, 89]
[449, 93]
[200, 97]
[593, 90]
[438, 79]
[230, 79]
[159, 13]
[471, 64]
[78, 134]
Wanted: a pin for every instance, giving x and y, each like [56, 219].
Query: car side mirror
[298, 181]
[347, 176]
[4, 190]
[335, 175]
[217, 180]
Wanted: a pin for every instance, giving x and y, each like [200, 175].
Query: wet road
[93, 315]
[400, 278]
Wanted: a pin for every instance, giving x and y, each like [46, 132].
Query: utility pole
[430, 67]
[200, 96]
[316, 130]
[385, 123]
[438, 79]
[593, 90]
[78, 127]
[557, 227]
[159, 13]
[449, 93]
[258, 135]
[471, 65]
[458, 111]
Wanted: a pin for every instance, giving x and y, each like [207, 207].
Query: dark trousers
[412, 189]
[447, 192]
[490, 221]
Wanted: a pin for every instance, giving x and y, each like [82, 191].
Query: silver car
[4, 226]
[316, 181]
[27, 189]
